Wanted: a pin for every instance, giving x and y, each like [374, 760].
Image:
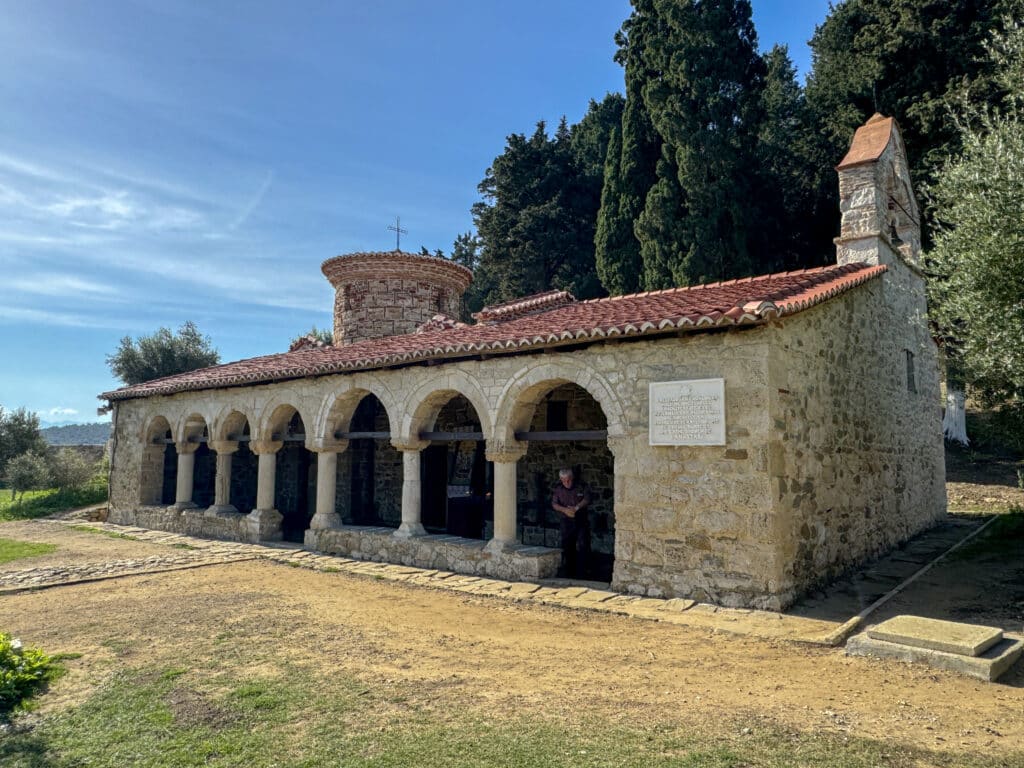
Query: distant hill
[77, 434]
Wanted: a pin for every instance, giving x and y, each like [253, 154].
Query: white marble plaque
[687, 412]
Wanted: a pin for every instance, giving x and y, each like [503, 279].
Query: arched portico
[561, 416]
[447, 481]
[237, 466]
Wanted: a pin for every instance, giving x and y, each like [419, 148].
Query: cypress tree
[631, 171]
[705, 106]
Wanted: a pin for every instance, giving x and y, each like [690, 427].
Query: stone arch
[426, 402]
[191, 426]
[528, 387]
[158, 465]
[340, 404]
[228, 424]
[275, 415]
[156, 426]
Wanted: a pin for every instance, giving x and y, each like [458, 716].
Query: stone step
[937, 635]
[989, 666]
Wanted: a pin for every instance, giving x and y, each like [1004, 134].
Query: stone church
[743, 441]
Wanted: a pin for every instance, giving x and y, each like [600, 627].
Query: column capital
[265, 446]
[224, 446]
[505, 451]
[412, 446]
[327, 445]
[184, 446]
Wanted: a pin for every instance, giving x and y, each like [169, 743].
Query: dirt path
[503, 656]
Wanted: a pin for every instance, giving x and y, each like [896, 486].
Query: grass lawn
[15, 550]
[39, 503]
[222, 717]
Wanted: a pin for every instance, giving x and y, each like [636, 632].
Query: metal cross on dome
[397, 229]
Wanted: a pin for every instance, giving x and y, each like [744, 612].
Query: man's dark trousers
[575, 544]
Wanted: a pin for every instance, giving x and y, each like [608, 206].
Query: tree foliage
[717, 163]
[902, 58]
[69, 470]
[27, 472]
[535, 225]
[19, 433]
[978, 256]
[162, 354]
[323, 335]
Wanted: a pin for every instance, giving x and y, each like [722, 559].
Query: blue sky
[171, 161]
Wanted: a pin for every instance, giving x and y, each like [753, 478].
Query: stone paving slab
[947, 636]
[989, 666]
[203, 552]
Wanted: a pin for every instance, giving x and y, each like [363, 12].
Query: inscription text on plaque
[687, 412]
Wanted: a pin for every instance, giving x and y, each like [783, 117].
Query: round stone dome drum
[391, 293]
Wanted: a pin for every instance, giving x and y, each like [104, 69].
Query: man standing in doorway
[571, 500]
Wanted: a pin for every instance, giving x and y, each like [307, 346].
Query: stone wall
[445, 553]
[389, 294]
[856, 457]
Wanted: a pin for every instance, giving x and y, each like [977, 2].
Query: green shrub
[22, 672]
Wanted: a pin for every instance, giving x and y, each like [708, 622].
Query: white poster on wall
[687, 412]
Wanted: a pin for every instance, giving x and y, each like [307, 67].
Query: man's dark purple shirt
[570, 497]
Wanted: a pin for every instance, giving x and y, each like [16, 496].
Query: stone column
[327, 516]
[504, 456]
[412, 493]
[222, 484]
[186, 474]
[265, 521]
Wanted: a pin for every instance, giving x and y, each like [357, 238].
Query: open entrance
[456, 478]
[369, 489]
[159, 467]
[568, 429]
[204, 478]
[244, 471]
[169, 476]
[295, 482]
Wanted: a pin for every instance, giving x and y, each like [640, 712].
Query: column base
[183, 505]
[408, 530]
[264, 525]
[220, 509]
[322, 522]
[497, 546]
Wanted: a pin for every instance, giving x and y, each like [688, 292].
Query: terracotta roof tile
[737, 302]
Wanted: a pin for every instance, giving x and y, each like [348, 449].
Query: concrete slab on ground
[938, 635]
[989, 666]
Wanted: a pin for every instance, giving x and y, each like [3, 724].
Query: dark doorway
[169, 487]
[434, 502]
[295, 486]
[371, 469]
[456, 478]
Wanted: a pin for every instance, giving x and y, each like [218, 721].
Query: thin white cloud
[57, 284]
[62, 412]
[114, 205]
[254, 202]
[45, 317]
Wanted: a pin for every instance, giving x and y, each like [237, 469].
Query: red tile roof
[525, 305]
[748, 301]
